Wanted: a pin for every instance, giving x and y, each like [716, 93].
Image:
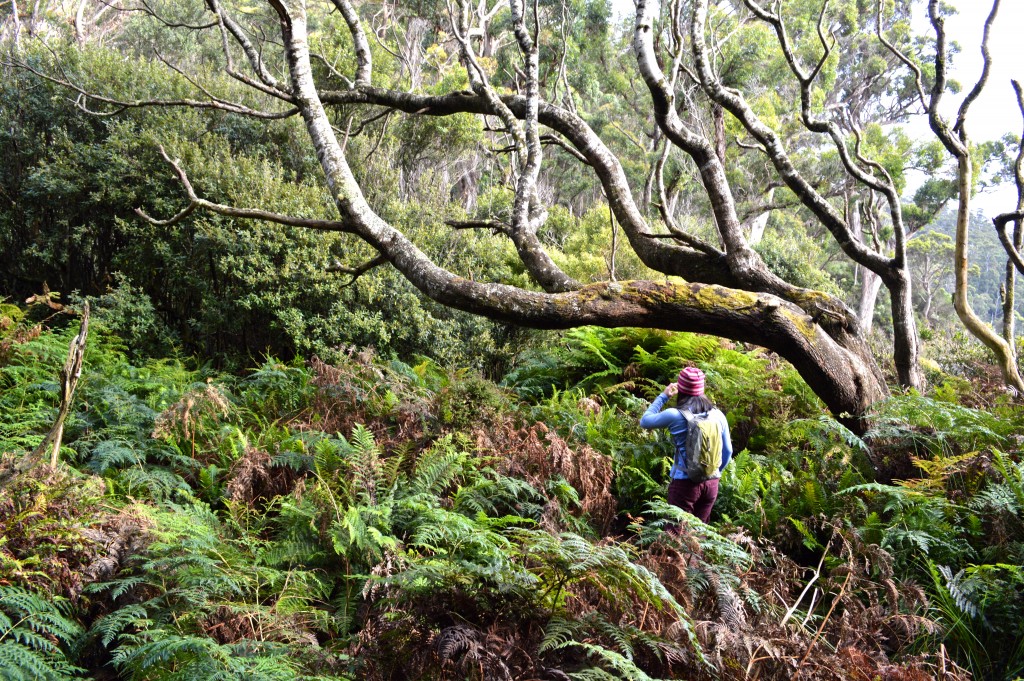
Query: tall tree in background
[1013, 243]
[931, 254]
[957, 142]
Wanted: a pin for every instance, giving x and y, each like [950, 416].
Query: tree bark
[954, 138]
[979, 329]
[871, 284]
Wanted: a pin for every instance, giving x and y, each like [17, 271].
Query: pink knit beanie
[691, 381]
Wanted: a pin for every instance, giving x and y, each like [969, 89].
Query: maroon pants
[696, 498]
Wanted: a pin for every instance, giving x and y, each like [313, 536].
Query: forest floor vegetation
[375, 519]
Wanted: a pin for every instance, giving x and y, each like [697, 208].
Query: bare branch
[826, 46]
[675, 231]
[496, 226]
[331, 70]
[371, 119]
[555, 140]
[1013, 246]
[380, 137]
[667, 258]
[356, 272]
[734, 102]
[828, 127]
[935, 120]
[986, 56]
[147, 9]
[122, 105]
[231, 211]
[527, 212]
[1001, 222]
[907, 61]
[266, 82]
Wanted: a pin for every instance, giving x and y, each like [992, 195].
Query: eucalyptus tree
[524, 94]
[931, 88]
[932, 256]
[693, 60]
[1013, 243]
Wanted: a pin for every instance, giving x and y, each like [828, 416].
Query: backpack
[703, 446]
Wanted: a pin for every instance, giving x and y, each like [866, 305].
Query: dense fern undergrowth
[373, 519]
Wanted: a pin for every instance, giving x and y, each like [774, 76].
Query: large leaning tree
[838, 77]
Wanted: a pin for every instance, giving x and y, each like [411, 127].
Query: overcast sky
[995, 113]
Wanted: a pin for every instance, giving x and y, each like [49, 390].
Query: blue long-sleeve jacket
[674, 420]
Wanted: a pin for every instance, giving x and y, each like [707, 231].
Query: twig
[231, 211]
[817, 573]
[821, 627]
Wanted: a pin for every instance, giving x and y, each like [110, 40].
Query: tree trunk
[69, 376]
[840, 370]
[906, 346]
[979, 329]
[871, 284]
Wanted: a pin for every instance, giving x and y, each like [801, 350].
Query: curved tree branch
[1001, 222]
[364, 58]
[670, 259]
[852, 164]
[743, 261]
[810, 329]
[958, 146]
[267, 83]
[122, 105]
[734, 102]
[986, 60]
[231, 211]
[756, 317]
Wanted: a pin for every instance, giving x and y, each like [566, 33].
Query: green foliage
[980, 610]
[35, 636]
[926, 426]
[351, 516]
[204, 602]
[468, 400]
[394, 514]
[211, 285]
[621, 369]
[785, 248]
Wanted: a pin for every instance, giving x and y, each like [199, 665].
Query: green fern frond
[622, 666]
[437, 468]
[559, 632]
[34, 634]
[961, 591]
[110, 627]
[1013, 475]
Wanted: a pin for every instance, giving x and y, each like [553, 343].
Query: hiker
[691, 489]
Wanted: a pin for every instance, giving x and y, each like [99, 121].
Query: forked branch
[122, 105]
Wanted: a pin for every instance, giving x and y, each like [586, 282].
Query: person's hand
[671, 389]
